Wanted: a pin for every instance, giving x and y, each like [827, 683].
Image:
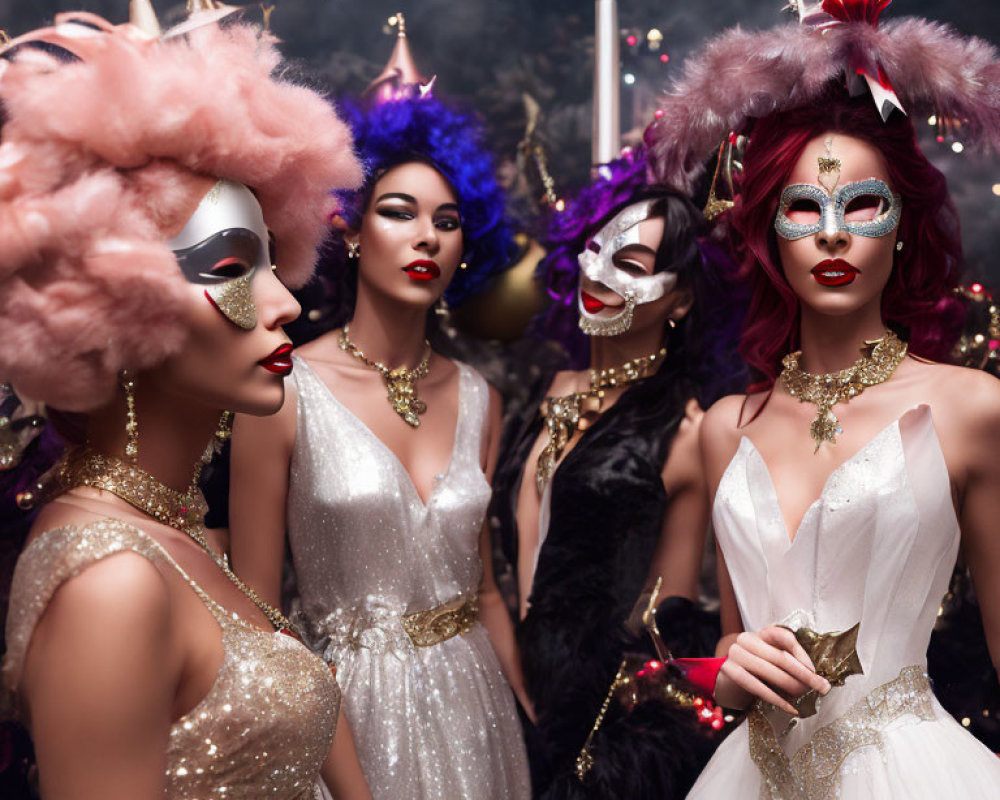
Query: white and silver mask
[831, 203]
[597, 262]
[833, 208]
[222, 246]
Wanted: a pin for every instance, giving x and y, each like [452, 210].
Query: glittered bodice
[360, 534]
[877, 546]
[265, 726]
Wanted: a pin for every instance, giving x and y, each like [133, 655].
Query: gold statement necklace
[400, 383]
[185, 511]
[879, 359]
[563, 415]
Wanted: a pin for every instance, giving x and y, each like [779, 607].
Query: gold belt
[814, 772]
[438, 624]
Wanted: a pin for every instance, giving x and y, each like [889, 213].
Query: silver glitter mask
[833, 209]
[597, 263]
[221, 247]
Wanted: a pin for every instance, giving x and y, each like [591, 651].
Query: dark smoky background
[490, 54]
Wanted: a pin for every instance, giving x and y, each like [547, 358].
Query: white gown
[430, 722]
[878, 546]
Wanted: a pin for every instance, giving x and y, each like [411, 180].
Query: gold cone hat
[400, 77]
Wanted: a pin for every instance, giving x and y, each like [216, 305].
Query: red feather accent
[856, 10]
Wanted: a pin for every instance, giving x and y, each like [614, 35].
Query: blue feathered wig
[425, 129]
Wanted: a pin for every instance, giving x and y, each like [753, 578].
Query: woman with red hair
[849, 475]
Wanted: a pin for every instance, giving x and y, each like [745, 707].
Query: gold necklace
[401, 382]
[879, 359]
[184, 511]
[562, 415]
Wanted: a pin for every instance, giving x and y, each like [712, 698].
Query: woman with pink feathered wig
[156, 193]
[848, 477]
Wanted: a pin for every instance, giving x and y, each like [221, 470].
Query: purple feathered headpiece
[741, 76]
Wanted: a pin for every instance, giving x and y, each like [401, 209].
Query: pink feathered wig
[109, 140]
[741, 76]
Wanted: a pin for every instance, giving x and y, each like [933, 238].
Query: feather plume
[743, 75]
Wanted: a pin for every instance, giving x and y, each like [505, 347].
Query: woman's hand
[770, 665]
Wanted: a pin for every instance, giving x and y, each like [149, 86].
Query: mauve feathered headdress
[742, 75]
[108, 136]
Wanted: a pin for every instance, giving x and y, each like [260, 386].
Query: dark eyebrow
[448, 207]
[397, 196]
[640, 248]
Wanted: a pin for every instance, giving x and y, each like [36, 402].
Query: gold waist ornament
[813, 773]
[438, 624]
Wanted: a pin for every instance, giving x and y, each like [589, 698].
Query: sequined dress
[878, 546]
[265, 726]
[434, 721]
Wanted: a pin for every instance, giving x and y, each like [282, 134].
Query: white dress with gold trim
[878, 546]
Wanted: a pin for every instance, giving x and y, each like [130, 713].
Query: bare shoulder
[124, 585]
[689, 431]
[564, 382]
[721, 430]
[721, 424]
[684, 460]
[496, 401]
[961, 392]
[114, 606]
[104, 658]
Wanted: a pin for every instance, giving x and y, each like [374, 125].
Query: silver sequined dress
[264, 728]
[878, 547]
[434, 722]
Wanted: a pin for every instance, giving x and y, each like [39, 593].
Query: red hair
[918, 301]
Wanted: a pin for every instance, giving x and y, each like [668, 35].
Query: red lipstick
[835, 272]
[279, 361]
[422, 270]
[590, 303]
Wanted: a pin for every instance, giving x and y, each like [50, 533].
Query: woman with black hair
[599, 492]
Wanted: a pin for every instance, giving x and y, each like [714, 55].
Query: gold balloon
[503, 311]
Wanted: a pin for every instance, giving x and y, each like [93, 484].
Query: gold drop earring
[127, 381]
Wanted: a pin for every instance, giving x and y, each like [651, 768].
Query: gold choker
[879, 359]
[563, 415]
[184, 511]
[400, 383]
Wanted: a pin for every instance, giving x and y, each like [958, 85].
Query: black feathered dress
[606, 513]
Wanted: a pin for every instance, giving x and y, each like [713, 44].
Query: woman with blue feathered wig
[379, 468]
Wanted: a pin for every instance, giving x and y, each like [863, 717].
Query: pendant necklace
[878, 361]
[400, 383]
[183, 511]
[563, 415]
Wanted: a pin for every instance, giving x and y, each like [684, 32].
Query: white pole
[606, 144]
